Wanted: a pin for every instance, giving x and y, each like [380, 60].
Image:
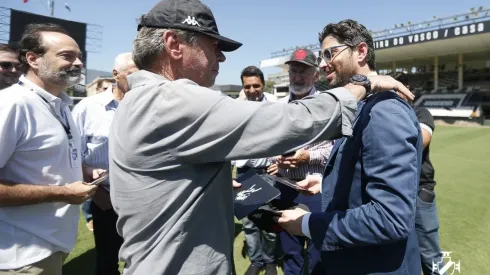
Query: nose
[220, 56]
[323, 64]
[78, 63]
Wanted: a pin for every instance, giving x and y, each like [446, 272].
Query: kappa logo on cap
[191, 20]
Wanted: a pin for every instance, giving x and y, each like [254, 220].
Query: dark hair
[351, 33]
[101, 81]
[32, 41]
[252, 71]
[8, 48]
[402, 77]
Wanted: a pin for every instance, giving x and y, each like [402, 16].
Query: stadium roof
[439, 37]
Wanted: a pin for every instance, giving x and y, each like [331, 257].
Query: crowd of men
[360, 150]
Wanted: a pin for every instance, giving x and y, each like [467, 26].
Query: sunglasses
[327, 54]
[9, 65]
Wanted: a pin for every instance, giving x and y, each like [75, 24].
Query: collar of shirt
[108, 97]
[63, 98]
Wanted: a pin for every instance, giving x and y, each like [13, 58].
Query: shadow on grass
[83, 264]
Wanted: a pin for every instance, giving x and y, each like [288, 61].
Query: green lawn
[461, 156]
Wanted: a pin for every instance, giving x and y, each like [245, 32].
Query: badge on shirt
[73, 157]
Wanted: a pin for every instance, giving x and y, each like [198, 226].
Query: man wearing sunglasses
[369, 187]
[9, 66]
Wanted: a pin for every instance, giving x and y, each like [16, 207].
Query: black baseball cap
[304, 56]
[189, 15]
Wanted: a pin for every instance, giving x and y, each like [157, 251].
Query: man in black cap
[172, 140]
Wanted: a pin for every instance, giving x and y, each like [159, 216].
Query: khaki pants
[51, 265]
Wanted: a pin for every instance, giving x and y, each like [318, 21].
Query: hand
[382, 83]
[78, 192]
[273, 169]
[91, 173]
[312, 184]
[236, 184]
[301, 156]
[291, 221]
[102, 198]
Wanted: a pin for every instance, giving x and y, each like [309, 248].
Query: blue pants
[86, 210]
[427, 228]
[294, 246]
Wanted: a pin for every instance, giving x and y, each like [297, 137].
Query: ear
[32, 59]
[115, 75]
[317, 75]
[362, 51]
[173, 45]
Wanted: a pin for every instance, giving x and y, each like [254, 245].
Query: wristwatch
[362, 80]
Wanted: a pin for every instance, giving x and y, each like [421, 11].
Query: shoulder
[425, 117]
[87, 103]
[387, 108]
[270, 97]
[388, 102]
[16, 95]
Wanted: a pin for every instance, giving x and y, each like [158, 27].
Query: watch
[359, 79]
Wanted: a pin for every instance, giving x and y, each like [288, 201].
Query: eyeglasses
[9, 65]
[327, 54]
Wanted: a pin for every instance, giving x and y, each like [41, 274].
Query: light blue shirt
[93, 116]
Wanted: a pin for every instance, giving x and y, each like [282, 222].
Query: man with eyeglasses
[369, 189]
[9, 66]
[311, 159]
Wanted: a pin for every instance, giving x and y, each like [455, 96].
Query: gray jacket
[170, 148]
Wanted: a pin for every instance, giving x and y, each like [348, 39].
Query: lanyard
[53, 112]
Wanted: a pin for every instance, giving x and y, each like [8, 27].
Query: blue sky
[263, 26]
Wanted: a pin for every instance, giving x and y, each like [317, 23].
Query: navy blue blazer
[369, 193]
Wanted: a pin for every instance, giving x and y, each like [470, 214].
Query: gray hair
[123, 61]
[148, 45]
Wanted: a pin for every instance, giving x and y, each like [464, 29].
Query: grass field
[461, 156]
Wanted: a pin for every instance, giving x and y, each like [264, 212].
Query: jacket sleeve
[390, 164]
[215, 127]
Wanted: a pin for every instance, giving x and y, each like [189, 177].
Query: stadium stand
[447, 61]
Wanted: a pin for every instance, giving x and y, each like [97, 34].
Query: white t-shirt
[34, 149]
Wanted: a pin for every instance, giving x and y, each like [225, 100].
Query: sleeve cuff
[426, 127]
[305, 227]
[315, 157]
[348, 108]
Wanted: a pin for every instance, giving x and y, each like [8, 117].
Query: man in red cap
[311, 159]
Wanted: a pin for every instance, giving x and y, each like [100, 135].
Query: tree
[269, 86]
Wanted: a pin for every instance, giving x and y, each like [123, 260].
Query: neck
[298, 97]
[164, 69]
[118, 94]
[366, 71]
[48, 87]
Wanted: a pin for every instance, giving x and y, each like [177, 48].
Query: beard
[342, 76]
[300, 89]
[8, 80]
[65, 77]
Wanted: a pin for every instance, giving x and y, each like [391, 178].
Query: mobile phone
[290, 183]
[289, 154]
[102, 177]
